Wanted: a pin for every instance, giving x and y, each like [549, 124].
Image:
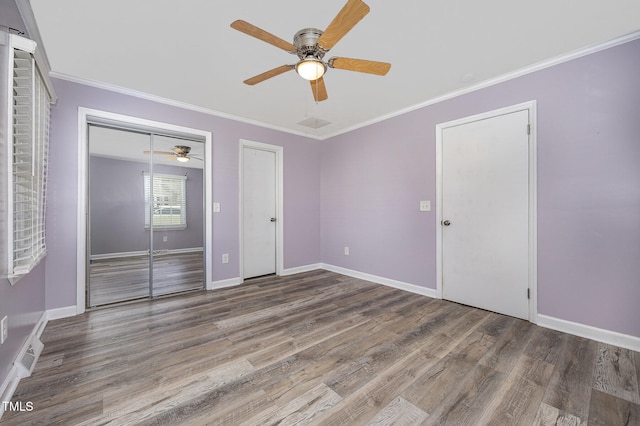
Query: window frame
[149, 191]
[27, 156]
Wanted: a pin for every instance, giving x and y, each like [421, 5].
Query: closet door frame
[86, 116]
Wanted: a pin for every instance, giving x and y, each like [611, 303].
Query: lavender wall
[24, 302]
[301, 183]
[588, 188]
[362, 189]
[117, 207]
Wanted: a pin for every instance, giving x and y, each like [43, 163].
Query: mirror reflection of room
[145, 215]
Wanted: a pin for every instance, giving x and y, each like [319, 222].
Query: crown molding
[29, 19]
[481, 85]
[497, 80]
[40, 54]
[174, 103]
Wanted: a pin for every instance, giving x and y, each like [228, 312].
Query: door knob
[446, 222]
[273, 219]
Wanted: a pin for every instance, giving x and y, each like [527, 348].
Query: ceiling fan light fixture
[311, 68]
[182, 159]
[311, 45]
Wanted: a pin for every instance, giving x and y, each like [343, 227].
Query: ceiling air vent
[314, 123]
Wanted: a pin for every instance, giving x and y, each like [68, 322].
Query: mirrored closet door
[146, 216]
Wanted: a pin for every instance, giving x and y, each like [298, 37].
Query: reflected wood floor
[127, 278]
[321, 348]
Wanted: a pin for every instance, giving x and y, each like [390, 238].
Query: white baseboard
[424, 291]
[58, 313]
[224, 283]
[589, 332]
[186, 250]
[586, 331]
[145, 253]
[9, 387]
[301, 269]
[119, 255]
[10, 383]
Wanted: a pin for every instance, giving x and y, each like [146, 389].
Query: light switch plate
[425, 206]
[216, 207]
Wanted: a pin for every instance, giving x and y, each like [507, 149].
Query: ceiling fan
[311, 44]
[178, 152]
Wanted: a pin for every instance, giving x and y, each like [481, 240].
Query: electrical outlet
[225, 258]
[346, 251]
[425, 206]
[165, 239]
[4, 329]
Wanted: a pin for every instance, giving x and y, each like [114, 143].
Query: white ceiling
[185, 51]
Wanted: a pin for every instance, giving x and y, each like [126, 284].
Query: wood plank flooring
[321, 348]
[122, 279]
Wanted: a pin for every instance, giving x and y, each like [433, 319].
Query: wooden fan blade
[172, 157]
[158, 152]
[176, 150]
[261, 34]
[319, 90]
[347, 18]
[267, 75]
[360, 65]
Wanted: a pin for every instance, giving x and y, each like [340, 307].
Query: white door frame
[278, 151]
[86, 115]
[533, 239]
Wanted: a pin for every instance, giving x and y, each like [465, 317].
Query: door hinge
[528, 293]
[528, 129]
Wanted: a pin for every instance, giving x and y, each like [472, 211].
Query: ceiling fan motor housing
[306, 42]
[185, 149]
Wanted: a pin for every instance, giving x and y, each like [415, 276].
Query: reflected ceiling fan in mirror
[311, 44]
[178, 152]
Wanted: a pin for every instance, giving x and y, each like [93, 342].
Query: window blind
[30, 112]
[166, 202]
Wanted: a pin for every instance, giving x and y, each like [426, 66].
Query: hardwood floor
[122, 279]
[321, 348]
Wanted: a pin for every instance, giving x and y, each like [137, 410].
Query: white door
[485, 213]
[258, 212]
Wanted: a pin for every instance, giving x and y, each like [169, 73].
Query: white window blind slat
[169, 201]
[28, 172]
